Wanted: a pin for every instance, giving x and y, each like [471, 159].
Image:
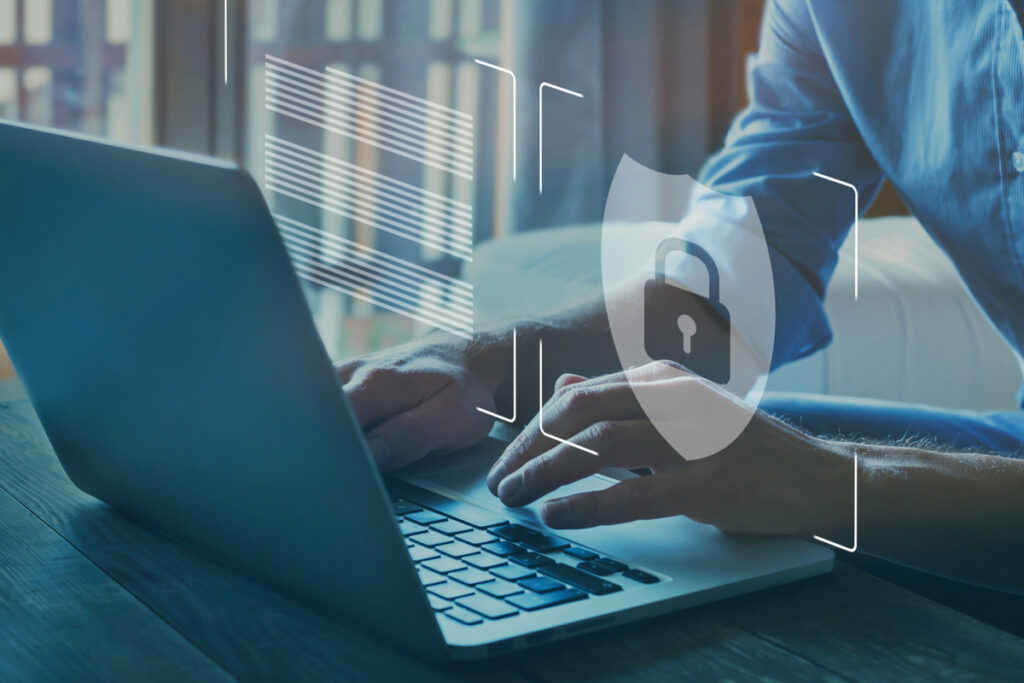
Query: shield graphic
[698, 358]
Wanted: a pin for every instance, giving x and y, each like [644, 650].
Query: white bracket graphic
[515, 380]
[540, 409]
[225, 42]
[509, 72]
[852, 549]
[856, 229]
[540, 130]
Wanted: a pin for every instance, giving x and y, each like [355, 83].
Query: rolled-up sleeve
[796, 124]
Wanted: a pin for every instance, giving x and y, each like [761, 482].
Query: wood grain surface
[86, 592]
[6, 369]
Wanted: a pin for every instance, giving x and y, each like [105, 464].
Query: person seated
[927, 94]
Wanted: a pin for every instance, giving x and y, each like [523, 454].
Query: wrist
[489, 357]
[834, 517]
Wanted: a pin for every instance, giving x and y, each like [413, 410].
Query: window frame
[194, 108]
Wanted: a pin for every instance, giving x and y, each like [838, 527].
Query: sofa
[914, 334]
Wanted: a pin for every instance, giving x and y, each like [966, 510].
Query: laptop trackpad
[463, 476]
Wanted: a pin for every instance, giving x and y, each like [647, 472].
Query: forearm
[958, 515]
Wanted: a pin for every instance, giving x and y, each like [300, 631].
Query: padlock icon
[698, 336]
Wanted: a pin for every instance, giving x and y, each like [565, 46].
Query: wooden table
[86, 593]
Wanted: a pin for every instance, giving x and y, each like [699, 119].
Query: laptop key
[443, 565]
[502, 548]
[612, 565]
[430, 539]
[471, 577]
[457, 549]
[483, 561]
[512, 572]
[595, 568]
[489, 607]
[541, 584]
[516, 532]
[418, 553]
[545, 544]
[451, 527]
[478, 537]
[410, 528]
[438, 604]
[463, 616]
[429, 578]
[470, 514]
[499, 588]
[426, 517]
[580, 553]
[528, 559]
[641, 576]
[532, 601]
[478, 517]
[580, 579]
[449, 590]
[404, 507]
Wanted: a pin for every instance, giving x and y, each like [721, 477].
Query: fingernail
[554, 511]
[493, 479]
[381, 452]
[510, 487]
[496, 474]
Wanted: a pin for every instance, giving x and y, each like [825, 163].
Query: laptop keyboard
[477, 566]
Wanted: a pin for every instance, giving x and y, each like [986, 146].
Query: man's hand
[422, 398]
[773, 480]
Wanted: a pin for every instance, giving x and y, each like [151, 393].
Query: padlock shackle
[671, 244]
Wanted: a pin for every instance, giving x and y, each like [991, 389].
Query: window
[427, 49]
[152, 71]
[417, 50]
[76, 64]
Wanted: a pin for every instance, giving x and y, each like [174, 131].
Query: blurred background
[660, 79]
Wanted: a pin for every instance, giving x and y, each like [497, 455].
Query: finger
[442, 424]
[567, 413]
[345, 369]
[664, 378]
[378, 393]
[641, 498]
[568, 379]
[654, 371]
[400, 440]
[373, 402]
[630, 443]
[571, 410]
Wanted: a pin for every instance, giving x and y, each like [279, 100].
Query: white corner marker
[540, 409]
[225, 42]
[540, 130]
[852, 549]
[856, 229]
[508, 72]
[515, 401]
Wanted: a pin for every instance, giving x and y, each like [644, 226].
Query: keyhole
[688, 326]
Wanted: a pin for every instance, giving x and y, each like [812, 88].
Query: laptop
[149, 305]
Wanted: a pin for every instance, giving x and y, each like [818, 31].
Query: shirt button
[1018, 161]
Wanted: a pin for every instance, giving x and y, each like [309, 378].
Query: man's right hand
[422, 398]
